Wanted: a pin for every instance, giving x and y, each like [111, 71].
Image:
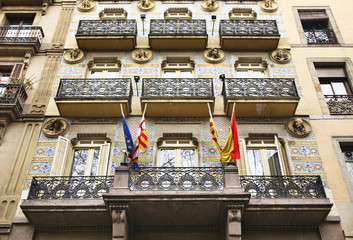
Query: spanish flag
[231, 148]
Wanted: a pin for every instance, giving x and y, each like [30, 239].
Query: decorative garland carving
[209, 5]
[281, 56]
[268, 6]
[141, 56]
[214, 55]
[146, 5]
[55, 127]
[74, 55]
[298, 127]
[86, 5]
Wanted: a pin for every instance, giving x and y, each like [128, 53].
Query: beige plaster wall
[49, 22]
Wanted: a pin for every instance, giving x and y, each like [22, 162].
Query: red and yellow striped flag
[141, 142]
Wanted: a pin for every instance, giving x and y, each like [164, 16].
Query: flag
[231, 148]
[128, 139]
[141, 142]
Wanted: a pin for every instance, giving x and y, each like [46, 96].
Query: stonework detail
[62, 27]
[298, 127]
[86, 5]
[209, 5]
[146, 5]
[214, 55]
[55, 127]
[141, 56]
[269, 6]
[74, 56]
[281, 56]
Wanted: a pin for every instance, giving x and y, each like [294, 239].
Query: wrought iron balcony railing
[340, 104]
[74, 187]
[177, 87]
[320, 36]
[260, 87]
[178, 27]
[11, 94]
[95, 88]
[172, 178]
[24, 34]
[248, 27]
[107, 27]
[283, 186]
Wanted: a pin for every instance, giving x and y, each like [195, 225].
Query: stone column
[231, 176]
[234, 224]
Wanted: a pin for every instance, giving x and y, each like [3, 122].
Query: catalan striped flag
[141, 142]
[231, 148]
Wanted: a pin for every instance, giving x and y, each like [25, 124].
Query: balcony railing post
[231, 176]
[121, 177]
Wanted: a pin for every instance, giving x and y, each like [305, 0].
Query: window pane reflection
[79, 163]
[187, 157]
[167, 158]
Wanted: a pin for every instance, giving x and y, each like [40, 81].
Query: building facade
[282, 67]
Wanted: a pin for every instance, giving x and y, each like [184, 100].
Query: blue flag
[128, 139]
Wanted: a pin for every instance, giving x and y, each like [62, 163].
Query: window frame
[250, 65]
[104, 65]
[178, 65]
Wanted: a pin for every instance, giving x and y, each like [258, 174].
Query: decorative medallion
[86, 5]
[146, 5]
[141, 55]
[281, 56]
[209, 5]
[55, 127]
[298, 127]
[74, 55]
[268, 6]
[213, 55]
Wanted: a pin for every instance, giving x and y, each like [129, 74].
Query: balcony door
[17, 26]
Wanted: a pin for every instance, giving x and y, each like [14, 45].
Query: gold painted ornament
[141, 56]
[281, 56]
[74, 56]
[214, 55]
[298, 127]
[268, 6]
[146, 5]
[55, 127]
[86, 5]
[209, 5]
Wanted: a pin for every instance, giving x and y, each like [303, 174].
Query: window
[265, 156]
[113, 13]
[333, 81]
[10, 74]
[251, 68]
[347, 152]
[242, 13]
[177, 13]
[316, 26]
[17, 24]
[177, 150]
[104, 68]
[178, 67]
[87, 157]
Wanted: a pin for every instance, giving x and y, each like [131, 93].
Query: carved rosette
[268, 6]
[281, 56]
[146, 5]
[74, 55]
[214, 55]
[141, 56]
[55, 127]
[86, 5]
[298, 127]
[209, 5]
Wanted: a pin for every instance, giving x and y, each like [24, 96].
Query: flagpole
[209, 109]
[121, 107]
[144, 110]
[231, 118]
[231, 121]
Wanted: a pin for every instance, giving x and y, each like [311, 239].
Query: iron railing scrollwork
[248, 27]
[177, 87]
[283, 186]
[260, 87]
[174, 178]
[178, 27]
[73, 187]
[340, 104]
[320, 36]
[22, 34]
[95, 88]
[13, 94]
[107, 27]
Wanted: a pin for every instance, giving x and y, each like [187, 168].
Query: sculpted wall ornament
[298, 127]
[55, 127]
[213, 55]
[3, 126]
[74, 56]
[281, 56]
[146, 5]
[86, 5]
[268, 6]
[141, 56]
[209, 5]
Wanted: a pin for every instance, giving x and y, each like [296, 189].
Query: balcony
[17, 41]
[285, 200]
[249, 35]
[260, 97]
[94, 97]
[12, 99]
[340, 104]
[320, 36]
[178, 34]
[106, 34]
[56, 201]
[25, 2]
[175, 97]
